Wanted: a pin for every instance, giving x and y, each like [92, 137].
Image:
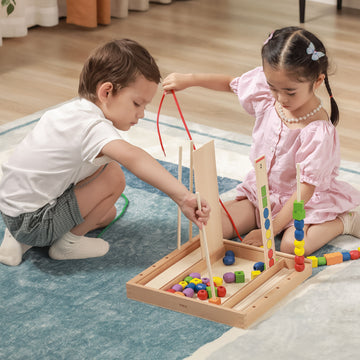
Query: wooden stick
[191, 183]
[206, 250]
[298, 191]
[179, 210]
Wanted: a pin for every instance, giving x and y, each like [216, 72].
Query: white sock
[12, 251]
[351, 221]
[72, 246]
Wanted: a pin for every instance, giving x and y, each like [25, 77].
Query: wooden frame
[244, 302]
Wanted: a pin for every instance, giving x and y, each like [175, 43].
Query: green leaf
[5, 2]
[10, 9]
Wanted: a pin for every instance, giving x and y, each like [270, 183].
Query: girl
[64, 178]
[291, 126]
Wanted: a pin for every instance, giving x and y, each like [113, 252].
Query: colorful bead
[221, 291]
[208, 289]
[202, 295]
[239, 277]
[228, 260]
[200, 287]
[218, 280]
[229, 277]
[205, 280]
[195, 275]
[255, 273]
[177, 287]
[183, 284]
[196, 281]
[188, 279]
[259, 266]
[189, 292]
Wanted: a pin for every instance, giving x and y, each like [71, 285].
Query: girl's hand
[175, 81]
[190, 210]
[254, 238]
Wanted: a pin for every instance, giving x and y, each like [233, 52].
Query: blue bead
[259, 266]
[267, 224]
[299, 235]
[346, 256]
[299, 224]
[230, 253]
[200, 287]
[228, 260]
[190, 285]
[266, 213]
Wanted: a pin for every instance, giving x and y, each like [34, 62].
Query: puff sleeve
[319, 154]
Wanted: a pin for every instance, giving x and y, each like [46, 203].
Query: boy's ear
[319, 81]
[104, 90]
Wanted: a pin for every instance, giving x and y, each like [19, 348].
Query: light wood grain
[42, 69]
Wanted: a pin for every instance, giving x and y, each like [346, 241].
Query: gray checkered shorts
[47, 224]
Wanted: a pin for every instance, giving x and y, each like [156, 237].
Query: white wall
[355, 4]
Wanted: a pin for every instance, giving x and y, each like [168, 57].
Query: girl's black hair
[286, 49]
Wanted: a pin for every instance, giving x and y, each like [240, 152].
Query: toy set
[249, 292]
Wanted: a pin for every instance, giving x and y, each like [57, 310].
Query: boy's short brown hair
[118, 62]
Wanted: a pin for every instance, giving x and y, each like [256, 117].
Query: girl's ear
[104, 90]
[319, 81]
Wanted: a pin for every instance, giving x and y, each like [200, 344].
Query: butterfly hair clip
[315, 55]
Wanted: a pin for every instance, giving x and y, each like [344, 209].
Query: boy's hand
[254, 238]
[190, 210]
[175, 81]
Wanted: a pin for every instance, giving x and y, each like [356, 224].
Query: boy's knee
[117, 177]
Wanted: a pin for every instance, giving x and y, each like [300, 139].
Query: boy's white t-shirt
[61, 150]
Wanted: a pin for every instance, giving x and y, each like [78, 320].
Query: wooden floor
[223, 36]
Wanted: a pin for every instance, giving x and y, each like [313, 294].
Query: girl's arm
[146, 168]
[286, 213]
[283, 217]
[176, 81]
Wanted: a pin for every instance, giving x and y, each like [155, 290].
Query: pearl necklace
[296, 120]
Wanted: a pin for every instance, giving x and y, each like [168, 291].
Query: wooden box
[244, 302]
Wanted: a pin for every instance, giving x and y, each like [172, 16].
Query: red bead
[171, 290]
[299, 268]
[221, 291]
[270, 253]
[271, 262]
[202, 294]
[299, 260]
[354, 254]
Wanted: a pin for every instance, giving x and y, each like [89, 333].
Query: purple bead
[229, 277]
[205, 280]
[177, 287]
[189, 292]
[195, 275]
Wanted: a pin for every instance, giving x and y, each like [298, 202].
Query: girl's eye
[136, 104]
[292, 94]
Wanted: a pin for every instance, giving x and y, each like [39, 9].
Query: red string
[189, 135]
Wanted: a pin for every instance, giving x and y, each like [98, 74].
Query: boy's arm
[146, 168]
[176, 81]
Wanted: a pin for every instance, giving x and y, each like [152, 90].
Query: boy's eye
[291, 94]
[136, 104]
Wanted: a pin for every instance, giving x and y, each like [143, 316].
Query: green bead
[298, 210]
[239, 277]
[321, 261]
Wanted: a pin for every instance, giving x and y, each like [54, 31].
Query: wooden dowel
[179, 210]
[191, 183]
[206, 250]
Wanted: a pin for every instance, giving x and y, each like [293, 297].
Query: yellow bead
[269, 244]
[183, 284]
[314, 261]
[268, 234]
[196, 281]
[218, 280]
[255, 273]
[299, 252]
[299, 243]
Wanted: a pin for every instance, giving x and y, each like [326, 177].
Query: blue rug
[79, 309]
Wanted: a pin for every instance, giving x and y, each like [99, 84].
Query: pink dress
[316, 147]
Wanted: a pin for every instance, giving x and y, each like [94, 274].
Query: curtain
[26, 13]
[16, 16]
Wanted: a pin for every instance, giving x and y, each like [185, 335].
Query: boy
[63, 179]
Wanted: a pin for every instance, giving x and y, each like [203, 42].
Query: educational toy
[244, 302]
